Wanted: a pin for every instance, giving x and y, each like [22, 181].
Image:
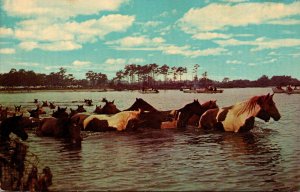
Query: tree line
[133, 77]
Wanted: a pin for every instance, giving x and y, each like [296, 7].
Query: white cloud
[270, 60]
[28, 45]
[27, 64]
[261, 43]
[218, 16]
[45, 35]
[7, 51]
[61, 9]
[79, 63]
[234, 62]
[152, 23]
[142, 43]
[136, 60]
[52, 46]
[188, 52]
[122, 61]
[135, 41]
[47, 25]
[209, 35]
[285, 22]
[4, 32]
[165, 30]
[113, 61]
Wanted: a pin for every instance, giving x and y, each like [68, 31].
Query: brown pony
[60, 128]
[3, 113]
[12, 125]
[194, 120]
[80, 109]
[88, 102]
[109, 107]
[150, 116]
[240, 117]
[78, 119]
[45, 104]
[98, 109]
[60, 113]
[186, 112]
[51, 105]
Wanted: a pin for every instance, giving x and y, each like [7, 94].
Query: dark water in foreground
[267, 158]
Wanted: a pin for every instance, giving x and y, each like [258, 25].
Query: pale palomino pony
[117, 121]
[240, 117]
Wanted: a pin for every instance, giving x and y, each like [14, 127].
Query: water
[265, 159]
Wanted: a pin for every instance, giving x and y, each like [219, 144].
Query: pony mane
[249, 105]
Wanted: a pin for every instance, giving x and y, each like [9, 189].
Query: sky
[238, 39]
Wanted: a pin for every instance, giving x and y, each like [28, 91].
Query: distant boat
[278, 90]
[146, 91]
[287, 90]
[202, 91]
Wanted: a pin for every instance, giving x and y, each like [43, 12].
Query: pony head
[88, 102]
[74, 131]
[45, 104]
[268, 108]
[60, 113]
[141, 104]
[98, 109]
[18, 108]
[80, 109]
[73, 112]
[212, 104]
[19, 129]
[109, 107]
[187, 112]
[51, 105]
[13, 125]
[3, 113]
[34, 113]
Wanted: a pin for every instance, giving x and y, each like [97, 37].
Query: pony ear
[113, 101]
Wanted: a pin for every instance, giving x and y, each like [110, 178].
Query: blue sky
[239, 39]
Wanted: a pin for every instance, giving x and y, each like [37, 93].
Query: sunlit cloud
[225, 15]
[78, 63]
[7, 51]
[261, 43]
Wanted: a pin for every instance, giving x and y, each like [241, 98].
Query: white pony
[240, 117]
[118, 121]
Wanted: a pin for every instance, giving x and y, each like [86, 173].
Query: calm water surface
[267, 158]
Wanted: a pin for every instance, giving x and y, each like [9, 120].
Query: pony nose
[277, 117]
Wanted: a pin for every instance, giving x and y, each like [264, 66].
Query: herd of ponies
[239, 117]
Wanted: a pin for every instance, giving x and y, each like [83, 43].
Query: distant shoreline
[24, 90]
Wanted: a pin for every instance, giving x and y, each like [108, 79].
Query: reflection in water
[250, 156]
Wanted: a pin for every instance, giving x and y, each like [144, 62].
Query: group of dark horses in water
[238, 117]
